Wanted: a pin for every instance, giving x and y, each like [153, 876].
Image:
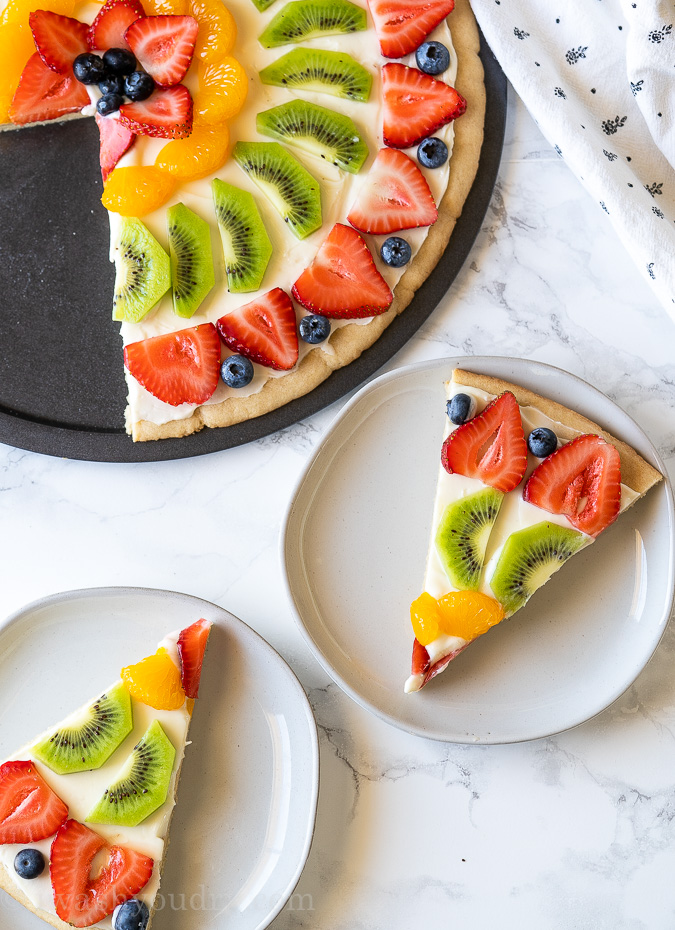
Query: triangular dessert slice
[524, 483]
[85, 807]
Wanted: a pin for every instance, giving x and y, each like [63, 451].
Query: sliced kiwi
[246, 246]
[315, 69]
[291, 189]
[528, 560]
[462, 536]
[306, 19]
[87, 738]
[316, 130]
[192, 275]
[141, 785]
[262, 5]
[143, 271]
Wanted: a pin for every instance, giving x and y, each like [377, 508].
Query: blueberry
[237, 371]
[138, 85]
[461, 408]
[120, 60]
[109, 104]
[314, 329]
[432, 152]
[542, 441]
[432, 57]
[29, 863]
[113, 84]
[132, 915]
[395, 252]
[89, 68]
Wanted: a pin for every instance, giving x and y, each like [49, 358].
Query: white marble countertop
[575, 831]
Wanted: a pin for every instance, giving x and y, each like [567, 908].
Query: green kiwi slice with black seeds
[142, 784]
[192, 275]
[317, 131]
[529, 558]
[307, 19]
[142, 272]
[289, 187]
[462, 536]
[321, 71]
[246, 246]
[87, 738]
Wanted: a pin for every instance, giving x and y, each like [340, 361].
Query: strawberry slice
[111, 23]
[415, 105]
[167, 114]
[115, 141]
[191, 647]
[582, 479]
[491, 447]
[43, 94]
[342, 282]
[81, 900]
[164, 46]
[421, 662]
[402, 25]
[58, 39]
[178, 368]
[263, 330]
[29, 809]
[394, 196]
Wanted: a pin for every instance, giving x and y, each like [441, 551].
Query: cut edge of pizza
[86, 806]
[524, 483]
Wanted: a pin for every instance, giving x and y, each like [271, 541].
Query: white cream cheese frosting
[80, 791]
[514, 514]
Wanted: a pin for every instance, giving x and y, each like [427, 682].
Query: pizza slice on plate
[85, 808]
[524, 483]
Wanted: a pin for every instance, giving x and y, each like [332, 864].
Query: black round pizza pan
[62, 388]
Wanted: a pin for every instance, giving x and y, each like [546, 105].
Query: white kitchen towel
[598, 76]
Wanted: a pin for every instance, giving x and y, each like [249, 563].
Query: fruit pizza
[280, 178]
[524, 483]
[85, 808]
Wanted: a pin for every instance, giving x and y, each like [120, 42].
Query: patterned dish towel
[598, 76]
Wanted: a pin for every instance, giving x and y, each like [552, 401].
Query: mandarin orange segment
[18, 11]
[16, 47]
[203, 152]
[468, 614]
[222, 91]
[155, 681]
[426, 618]
[137, 190]
[217, 30]
[166, 7]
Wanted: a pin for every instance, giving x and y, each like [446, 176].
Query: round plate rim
[647, 450]
[48, 600]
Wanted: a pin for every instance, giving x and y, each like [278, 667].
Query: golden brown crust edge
[636, 474]
[350, 341]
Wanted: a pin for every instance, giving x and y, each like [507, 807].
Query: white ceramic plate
[354, 549]
[247, 797]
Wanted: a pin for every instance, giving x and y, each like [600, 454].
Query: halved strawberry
[402, 25]
[491, 447]
[415, 105]
[393, 196]
[112, 21]
[191, 647]
[582, 479]
[178, 368]
[167, 114]
[164, 45]
[263, 330]
[43, 94]
[115, 141]
[58, 39]
[421, 663]
[81, 900]
[29, 809]
[342, 282]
